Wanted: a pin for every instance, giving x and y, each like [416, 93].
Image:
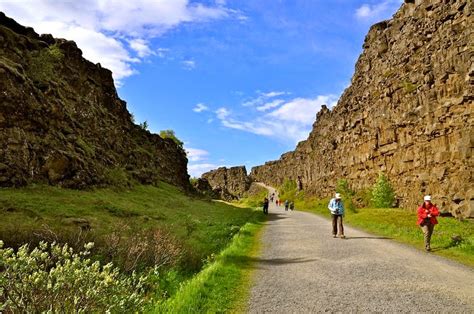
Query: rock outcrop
[62, 122]
[408, 113]
[229, 183]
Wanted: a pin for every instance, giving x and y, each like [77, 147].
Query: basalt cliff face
[408, 113]
[228, 183]
[62, 122]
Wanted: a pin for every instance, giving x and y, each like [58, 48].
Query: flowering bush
[53, 278]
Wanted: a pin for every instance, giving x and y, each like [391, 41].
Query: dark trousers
[337, 224]
[265, 210]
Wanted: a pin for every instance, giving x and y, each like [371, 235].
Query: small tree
[347, 194]
[170, 134]
[144, 125]
[383, 195]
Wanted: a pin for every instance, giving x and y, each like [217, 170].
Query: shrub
[117, 177]
[144, 125]
[383, 195]
[347, 194]
[53, 278]
[171, 135]
[42, 63]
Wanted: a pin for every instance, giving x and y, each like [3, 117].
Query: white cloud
[222, 113]
[141, 46]
[196, 154]
[262, 98]
[189, 64]
[292, 121]
[105, 29]
[270, 105]
[196, 170]
[302, 110]
[200, 108]
[377, 11]
[161, 52]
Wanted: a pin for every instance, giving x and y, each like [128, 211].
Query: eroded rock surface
[408, 113]
[62, 122]
[229, 183]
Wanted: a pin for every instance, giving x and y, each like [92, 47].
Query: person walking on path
[336, 207]
[286, 205]
[292, 205]
[265, 206]
[427, 213]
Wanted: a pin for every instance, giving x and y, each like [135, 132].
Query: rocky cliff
[229, 183]
[62, 122]
[408, 113]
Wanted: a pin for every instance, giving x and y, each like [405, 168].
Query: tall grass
[224, 284]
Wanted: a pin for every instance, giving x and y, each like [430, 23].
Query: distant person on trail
[287, 204]
[292, 206]
[427, 213]
[265, 206]
[336, 207]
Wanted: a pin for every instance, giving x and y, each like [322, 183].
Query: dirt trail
[304, 269]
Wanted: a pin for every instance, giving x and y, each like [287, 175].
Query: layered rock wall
[408, 113]
[62, 122]
[228, 182]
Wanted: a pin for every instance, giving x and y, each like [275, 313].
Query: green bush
[43, 62]
[347, 194]
[171, 135]
[383, 195]
[54, 279]
[117, 177]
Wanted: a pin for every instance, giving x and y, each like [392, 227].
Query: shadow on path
[380, 238]
[255, 262]
[275, 217]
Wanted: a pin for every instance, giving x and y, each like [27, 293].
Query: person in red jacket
[427, 213]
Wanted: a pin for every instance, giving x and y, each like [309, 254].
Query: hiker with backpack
[427, 213]
[336, 207]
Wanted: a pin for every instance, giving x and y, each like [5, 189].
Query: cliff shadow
[276, 216]
[256, 262]
[359, 238]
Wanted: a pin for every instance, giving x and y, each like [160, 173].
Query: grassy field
[452, 238]
[224, 284]
[193, 228]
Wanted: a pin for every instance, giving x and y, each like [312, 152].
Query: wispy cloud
[189, 64]
[372, 12]
[262, 98]
[196, 170]
[115, 33]
[200, 108]
[196, 154]
[199, 161]
[289, 120]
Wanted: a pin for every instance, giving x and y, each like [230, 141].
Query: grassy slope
[399, 224]
[224, 285]
[204, 226]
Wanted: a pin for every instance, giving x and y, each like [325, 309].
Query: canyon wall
[62, 122]
[408, 113]
[229, 183]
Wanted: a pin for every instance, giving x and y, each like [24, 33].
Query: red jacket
[423, 213]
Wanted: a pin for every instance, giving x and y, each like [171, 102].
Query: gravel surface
[304, 269]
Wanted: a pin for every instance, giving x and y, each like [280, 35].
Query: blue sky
[240, 82]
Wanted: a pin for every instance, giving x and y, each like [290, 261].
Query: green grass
[224, 284]
[202, 227]
[400, 224]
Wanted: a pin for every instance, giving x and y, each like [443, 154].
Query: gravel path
[304, 269]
